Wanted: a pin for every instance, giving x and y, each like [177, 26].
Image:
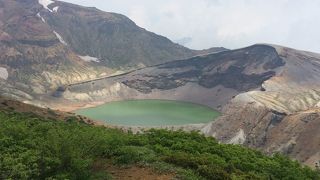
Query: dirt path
[137, 173]
[133, 172]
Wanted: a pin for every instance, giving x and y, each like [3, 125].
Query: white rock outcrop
[60, 38]
[89, 59]
[55, 9]
[239, 138]
[46, 3]
[4, 73]
[42, 19]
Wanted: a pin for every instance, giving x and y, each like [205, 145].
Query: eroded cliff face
[284, 117]
[296, 135]
[294, 88]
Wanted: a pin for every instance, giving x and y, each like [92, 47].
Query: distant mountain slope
[45, 44]
[113, 38]
[33, 56]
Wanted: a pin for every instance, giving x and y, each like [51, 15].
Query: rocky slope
[112, 38]
[210, 79]
[269, 95]
[45, 44]
[278, 78]
[61, 55]
[33, 57]
[284, 117]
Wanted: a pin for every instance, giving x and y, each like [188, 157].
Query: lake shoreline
[150, 113]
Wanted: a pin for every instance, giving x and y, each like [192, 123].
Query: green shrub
[32, 147]
[133, 154]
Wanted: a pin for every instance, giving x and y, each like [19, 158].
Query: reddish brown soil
[137, 173]
[8, 105]
[133, 172]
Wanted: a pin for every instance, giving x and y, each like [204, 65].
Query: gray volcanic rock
[282, 118]
[296, 135]
[230, 69]
[211, 79]
[33, 54]
[113, 38]
[45, 46]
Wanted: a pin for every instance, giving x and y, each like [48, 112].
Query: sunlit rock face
[4, 73]
[294, 88]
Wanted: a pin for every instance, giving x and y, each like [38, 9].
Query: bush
[32, 147]
[134, 154]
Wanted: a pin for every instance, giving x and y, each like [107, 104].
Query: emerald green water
[150, 113]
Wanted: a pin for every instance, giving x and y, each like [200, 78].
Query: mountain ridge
[173, 78]
[45, 46]
[254, 112]
[67, 57]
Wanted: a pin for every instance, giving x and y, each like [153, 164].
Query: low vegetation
[32, 147]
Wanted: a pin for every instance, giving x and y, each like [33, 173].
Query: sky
[201, 24]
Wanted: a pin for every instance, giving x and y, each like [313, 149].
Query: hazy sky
[228, 23]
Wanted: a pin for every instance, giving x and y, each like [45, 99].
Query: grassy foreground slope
[33, 147]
